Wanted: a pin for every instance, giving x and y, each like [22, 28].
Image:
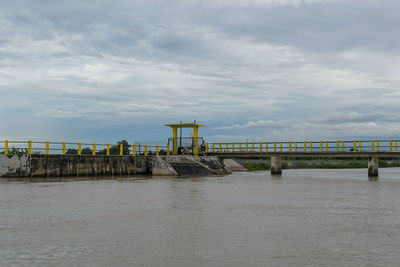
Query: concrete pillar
[373, 163]
[276, 165]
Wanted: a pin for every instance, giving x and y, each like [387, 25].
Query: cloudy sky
[98, 70]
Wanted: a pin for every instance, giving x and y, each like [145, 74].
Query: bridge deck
[366, 154]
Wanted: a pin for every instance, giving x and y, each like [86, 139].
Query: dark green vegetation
[318, 164]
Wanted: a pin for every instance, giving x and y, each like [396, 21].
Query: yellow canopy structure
[176, 126]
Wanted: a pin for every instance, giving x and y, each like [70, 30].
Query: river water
[305, 218]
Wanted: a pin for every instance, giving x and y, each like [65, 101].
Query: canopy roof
[183, 125]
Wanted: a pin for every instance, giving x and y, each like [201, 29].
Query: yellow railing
[307, 146]
[79, 148]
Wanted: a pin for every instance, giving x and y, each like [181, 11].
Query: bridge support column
[276, 165]
[373, 164]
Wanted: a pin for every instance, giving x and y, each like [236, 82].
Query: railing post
[320, 146]
[354, 146]
[157, 150]
[391, 145]
[247, 146]
[6, 147]
[220, 147]
[213, 147]
[337, 145]
[305, 146]
[108, 149]
[206, 146]
[79, 148]
[233, 147]
[395, 145]
[280, 146]
[240, 147]
[226, 147]
[47, 147]
[326, 146]
[121, 149]
[145, 150]
[134, 150]
[295, 147]
[274, 146]
[266, 147]
[94, 149]
[290, 146]
[372, 145]
[311, 147]
[64, 148]
[359, 145]
[377, 145]
[167, 150]
[342, 146]
[260, 146]
[29, 147]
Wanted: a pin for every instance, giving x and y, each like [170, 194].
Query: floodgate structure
[181, 156]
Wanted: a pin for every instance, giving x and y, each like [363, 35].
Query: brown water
[305, 218]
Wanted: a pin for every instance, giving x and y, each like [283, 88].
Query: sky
[102, 71]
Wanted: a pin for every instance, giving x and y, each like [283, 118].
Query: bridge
[370, 149]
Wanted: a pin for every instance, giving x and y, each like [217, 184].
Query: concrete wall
[100, 165]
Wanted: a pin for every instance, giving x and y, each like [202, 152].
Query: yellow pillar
[64, 148]
[395, 145]
[94, 149]
[337, 145]
[196, 140]
[377, 145]
[305, 146]
[311, 147]
[260, 146]
[354, 145]
[167, 150]
[29, 147]
[47, 147]
[372, 145]
[290, 146]
[359, 145]
[247, 146]
[320, 146]
[174, 141]
[157, 150]
[213, 147]
[79, 148]
[226, 147]
[295, 146]
[220, 147]
[121, 149]
[108, 149]
[280, 147]
[240, 147]
[233, 147]
[206, 147]
[6, 147]
[274, 146]
[266, 146]
[391, 145]
[327, 146]
[134, 150]
[342, 146]
[145, 150]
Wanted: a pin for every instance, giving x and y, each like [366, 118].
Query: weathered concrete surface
[100, 165]
[276, 165]
[14, 165]
[373, 164]
[234, 166]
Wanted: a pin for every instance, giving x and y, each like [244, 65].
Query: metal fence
[64, 148]
[306, 146]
